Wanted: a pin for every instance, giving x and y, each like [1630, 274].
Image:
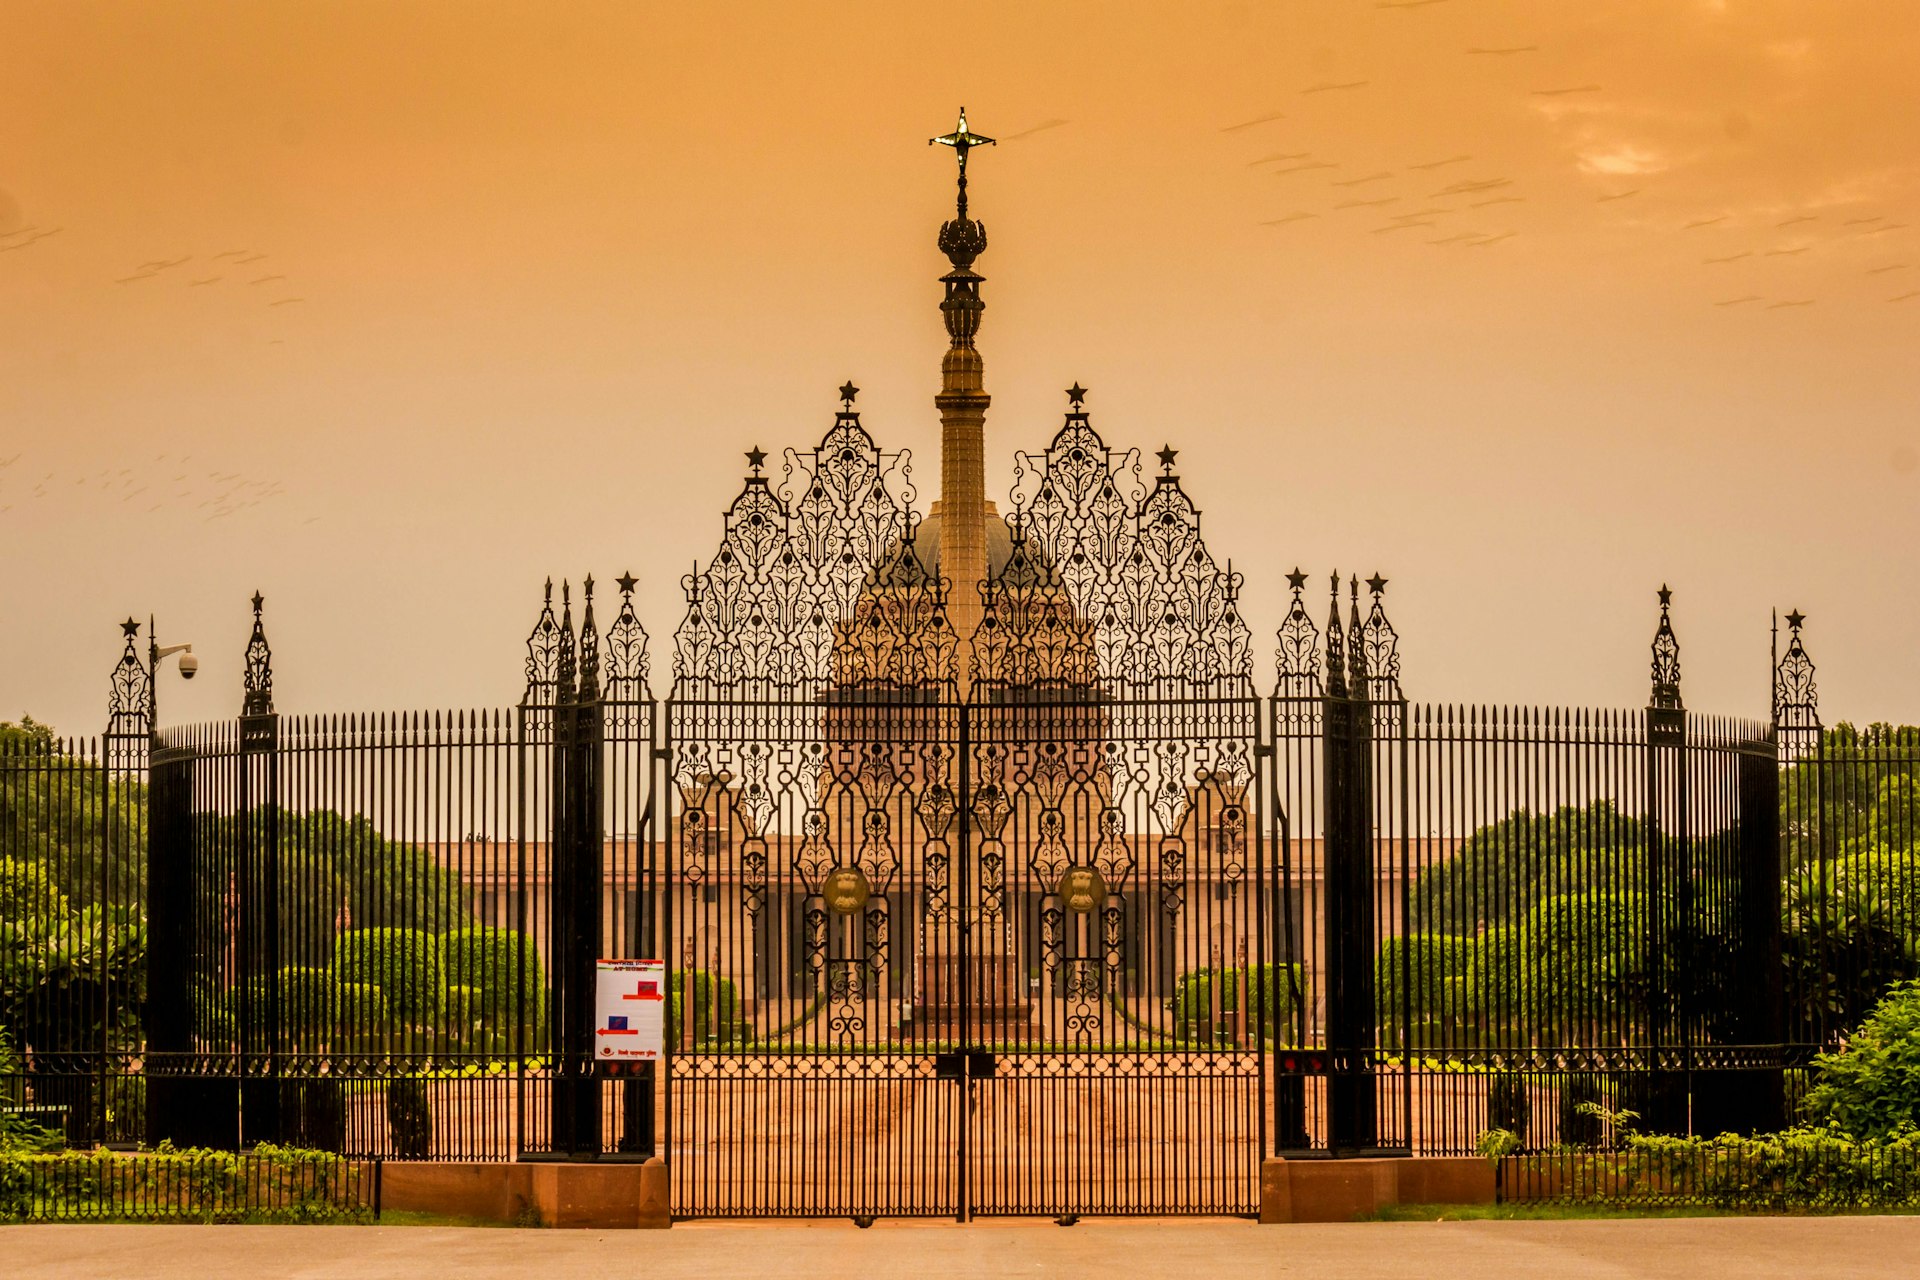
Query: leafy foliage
[267, 1184]
[501, 967]
[404, 964]
[1871, 1088]
[1269, 987]
[1530, 857]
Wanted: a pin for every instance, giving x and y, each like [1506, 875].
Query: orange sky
[556, 270]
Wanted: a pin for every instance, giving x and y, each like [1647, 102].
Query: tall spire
[963, 402]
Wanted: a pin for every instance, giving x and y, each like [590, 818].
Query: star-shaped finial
[1376, 583]
[1795, 618]
[130, 628]
[1297, 579]
[625, 582]
[1076, 394]
[848, 391]
[1166, 455]
[1666, 595]
[258, 600]
[756, 458]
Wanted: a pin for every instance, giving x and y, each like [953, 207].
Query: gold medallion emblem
[846, 891]
[1082, 890]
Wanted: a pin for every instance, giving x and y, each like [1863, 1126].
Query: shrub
[28, 895]
[1434, 966]
[1272, 986]
[1871, 1088]
[731, 1028]
[405, 964]
[1797, 1169]
[503, 969]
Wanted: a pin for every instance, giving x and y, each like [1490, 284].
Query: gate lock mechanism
[974, 1064]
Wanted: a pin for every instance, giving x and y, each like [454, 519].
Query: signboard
[630, 1010]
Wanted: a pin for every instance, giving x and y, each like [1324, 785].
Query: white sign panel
[630, 1010]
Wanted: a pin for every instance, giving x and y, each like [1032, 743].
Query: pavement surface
[1683, 1248]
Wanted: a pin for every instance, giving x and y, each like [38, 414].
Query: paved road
[1683, 1248]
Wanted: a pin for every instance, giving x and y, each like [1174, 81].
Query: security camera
[188, 665]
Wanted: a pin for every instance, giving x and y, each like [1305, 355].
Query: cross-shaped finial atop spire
[960, 140]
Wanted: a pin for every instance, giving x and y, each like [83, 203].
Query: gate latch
[974, 1064]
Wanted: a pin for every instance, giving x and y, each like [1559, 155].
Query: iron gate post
[1749, 1095]
[183, 1106]
[257, 875]
[1668, 891]
[575, 856]
[1347, 758]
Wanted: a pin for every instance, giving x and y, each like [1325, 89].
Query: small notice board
[630, 1010]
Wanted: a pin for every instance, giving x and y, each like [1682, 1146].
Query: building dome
[1032, 571]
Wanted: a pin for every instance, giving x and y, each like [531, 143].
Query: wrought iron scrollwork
[543, 656]
[130, 691]
[258, 700]
[1297, 657]
[1666, 656]
[1109, 590]
[1796, 699]
[1379, 646]
[627, 665]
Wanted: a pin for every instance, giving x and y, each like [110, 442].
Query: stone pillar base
[606, 1195]
[1344, 1190]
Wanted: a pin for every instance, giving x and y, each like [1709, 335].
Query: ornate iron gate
[964, 928]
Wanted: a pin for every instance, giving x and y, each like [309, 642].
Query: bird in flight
[1556, 93]
[1279, 155]
[1248, 124]
[1326, 86]
[230, 253]
[1797, 302]
[1508, 51]
[1399, 226]
[1366, 204]
[1734, 302]
[1487, 204]
[145, 275]
[1863, 222]
[285, 302]
[194, 284]
[1436, 164]
[1714, 262]
[1704, 222]
[258, 257]
[1787, 253]
[1405, 4]
[1794, 222]
[1372, 177]
[1465, 235]
[1302, 168]
[1292, 217]
[1906, 297]
[1619, 195]
[1419, 213]
[1484, 241]
[264, 279]
[1892, 266]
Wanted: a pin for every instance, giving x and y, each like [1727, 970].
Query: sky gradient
[477, 293]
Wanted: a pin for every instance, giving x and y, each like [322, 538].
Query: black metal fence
[1107, 922]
